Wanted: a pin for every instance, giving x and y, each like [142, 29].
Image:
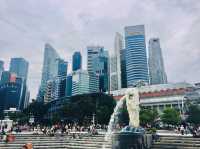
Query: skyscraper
[1, 67]
[59, 82]
[11, 95]
[76, 61]
[156, 64]
[136, 59]
[80, 82]
[115, 63]
[123, 68]
[92, 53]
[62, 67]
[19, 66]
[49, 70]
[49, 91]
[100, 69]
[19, 69]
[5, 77]
[69, 85]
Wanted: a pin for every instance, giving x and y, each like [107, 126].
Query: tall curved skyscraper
[49, 70]
[156, 64]
[136, 58]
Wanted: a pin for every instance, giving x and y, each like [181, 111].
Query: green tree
[37, 109]
[171, 116]
[82, 107]
[19, 117]
[56, 118]
[148, 116]
[193, 114]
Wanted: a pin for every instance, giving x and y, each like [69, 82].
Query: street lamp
[32, 119]
[93, 119]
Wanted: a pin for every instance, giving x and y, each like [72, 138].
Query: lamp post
[93, 119]
[32, 119]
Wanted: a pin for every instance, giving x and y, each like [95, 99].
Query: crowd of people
[69, 129]
[73, 129]
[187, 129]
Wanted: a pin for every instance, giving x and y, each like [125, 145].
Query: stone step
[58, 147]
[177, 144]
[181, 141]
[60, 138]
[51, 138]
[42, 135]
[56, 142]
[172, 147]
[179, 137]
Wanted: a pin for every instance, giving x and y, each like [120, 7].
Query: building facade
[48, 96]
[19, 74]
[1, 67]
[59, 87]
[69, 85]
[93, 83]
[76, 61]
[101, 70]
[161, 96]
[5, 77]
[115, 63]
[10, 94]
[56, 87]
[93, 52]
[136, 58]
[157, 72]
[80, 82]
[19, 66]
[123, 68]
[62, 67]
[49, 70]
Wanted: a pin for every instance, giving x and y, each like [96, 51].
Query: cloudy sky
[69, 25]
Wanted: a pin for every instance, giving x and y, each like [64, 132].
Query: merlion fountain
[132, 103]
[132, 136]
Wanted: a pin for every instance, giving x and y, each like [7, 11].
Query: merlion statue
[132, 103]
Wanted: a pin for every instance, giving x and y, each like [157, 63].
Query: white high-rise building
[115, 66]
[156, 64]
[80, 82]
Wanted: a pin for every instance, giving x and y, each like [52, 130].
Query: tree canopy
[193, 114]
[148, 116]
[81, 108]
[37, 109]
[171, 116]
